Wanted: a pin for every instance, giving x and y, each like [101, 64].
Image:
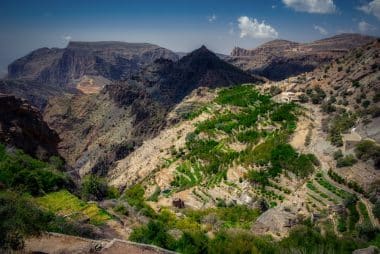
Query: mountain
[22, 126]
[81, 67]
[99, 129]
[111, 60]
[280, 59]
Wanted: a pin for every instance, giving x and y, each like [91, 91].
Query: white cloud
[311, 6]
[253, 28]
[365, 27]
[274, 6]
[371, 8]
[321, 30]
[212, 18]
[67, 37]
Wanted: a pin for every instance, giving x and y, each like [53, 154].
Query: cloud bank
[252, 28]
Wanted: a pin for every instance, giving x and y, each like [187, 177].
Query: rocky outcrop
[22, 126]
[280, 59]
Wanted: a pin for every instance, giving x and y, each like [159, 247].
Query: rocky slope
[172, 176]
[99, 129]
[22, 126]
[279, 59]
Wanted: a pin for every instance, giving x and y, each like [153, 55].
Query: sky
[179, 25]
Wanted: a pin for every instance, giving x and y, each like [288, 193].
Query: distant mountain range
[86, 67]
[280, 59]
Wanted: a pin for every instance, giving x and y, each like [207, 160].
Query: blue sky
[179, 25]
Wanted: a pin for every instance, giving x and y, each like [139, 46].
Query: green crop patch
[66, 204]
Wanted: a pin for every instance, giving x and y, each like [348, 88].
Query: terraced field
[66, 204]
[246, 135]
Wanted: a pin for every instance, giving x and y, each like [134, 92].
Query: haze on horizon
[179, 25]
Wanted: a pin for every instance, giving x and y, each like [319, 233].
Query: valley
[139, 149]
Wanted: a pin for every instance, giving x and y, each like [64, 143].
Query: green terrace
[260, 125]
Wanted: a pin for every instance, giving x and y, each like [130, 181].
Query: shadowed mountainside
[22, 126]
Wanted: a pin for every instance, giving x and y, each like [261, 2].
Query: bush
[366, 150]
[94, 188]
[19, 219]
[155, 232]
[376, 210]
[21, 172]
[346, 161]
[135, 197]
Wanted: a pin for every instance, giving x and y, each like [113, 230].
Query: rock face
[22, 126]
[280, 59]
[97, 130]
[81, 67]
[33, 91]
[62, 67]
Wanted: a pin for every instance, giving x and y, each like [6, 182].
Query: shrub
[338, 154]
[346, 161]
[94, 188]
[366, 103]
[376, 209]
[19, 219]
[21, 172]
[135, 198]
[155, 232]
[368, 149]
[303, 98]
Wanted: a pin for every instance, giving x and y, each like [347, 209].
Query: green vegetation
[21, 172]
[21, 217]
[302, 239]
[206, 157]
[317, 95]
[135, 197]
[332, 188]
[368, 149]
[342, 224]
[346, 161]
[364, 212]
[340, 124]
[96, 188]
[353, 216]
[66, 204]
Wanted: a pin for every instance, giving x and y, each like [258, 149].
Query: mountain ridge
[280, 59]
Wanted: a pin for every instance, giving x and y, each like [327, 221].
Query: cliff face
[112, 60]
[280, 59]
[22, 126]
[81, 67]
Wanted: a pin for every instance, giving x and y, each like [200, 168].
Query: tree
[94, 188]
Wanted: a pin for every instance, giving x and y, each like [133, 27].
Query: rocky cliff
[279, 59]
[22, 126]
[81, 67]
[112, 60]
